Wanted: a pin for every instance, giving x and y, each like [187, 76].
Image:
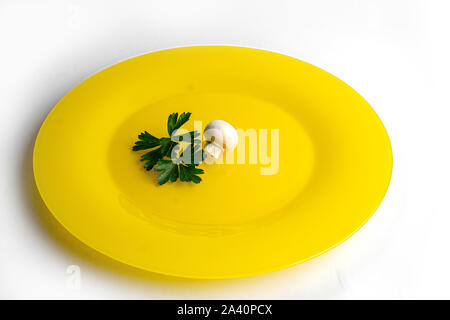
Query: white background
[395, 53]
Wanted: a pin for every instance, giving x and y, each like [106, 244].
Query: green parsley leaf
[151, 158]
[166, 146]
[172, 169]
[146, 141]
[184, 117]
[168, 169]
[190, 173]
[174, 122]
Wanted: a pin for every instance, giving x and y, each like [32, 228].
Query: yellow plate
[334, 167]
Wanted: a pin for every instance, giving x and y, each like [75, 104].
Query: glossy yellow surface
[335, 163]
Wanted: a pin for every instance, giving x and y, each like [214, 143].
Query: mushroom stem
[219, 134]
[213, 149]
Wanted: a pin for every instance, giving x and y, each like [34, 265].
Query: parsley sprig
[183, 167]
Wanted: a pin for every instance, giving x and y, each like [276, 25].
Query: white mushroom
[219, 133]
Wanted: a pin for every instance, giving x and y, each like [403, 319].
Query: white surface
[393, 52]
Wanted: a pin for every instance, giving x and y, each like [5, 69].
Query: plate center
[271, 165]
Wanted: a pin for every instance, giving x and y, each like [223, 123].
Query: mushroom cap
[223, 133]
